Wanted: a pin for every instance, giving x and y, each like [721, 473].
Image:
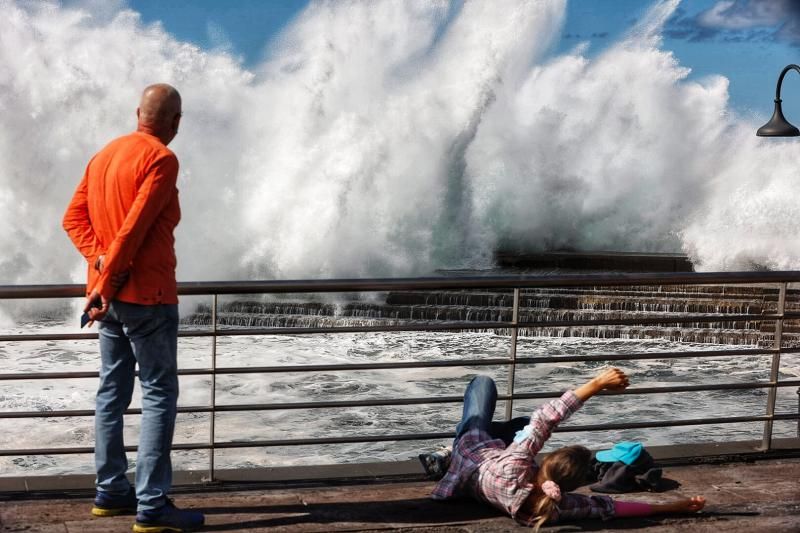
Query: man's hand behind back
[118, 279]
[96, 307]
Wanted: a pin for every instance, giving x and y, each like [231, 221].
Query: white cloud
[744, 14]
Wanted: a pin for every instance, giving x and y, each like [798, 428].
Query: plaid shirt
[486, 469]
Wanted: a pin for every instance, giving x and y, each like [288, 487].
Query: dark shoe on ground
[167, 519]
[436, 463]
[110, 504]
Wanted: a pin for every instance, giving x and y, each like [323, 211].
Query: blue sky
[748, 41]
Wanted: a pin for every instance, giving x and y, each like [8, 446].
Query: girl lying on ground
[494, 463]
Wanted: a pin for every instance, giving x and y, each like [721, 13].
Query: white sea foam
[292, 387]
[392, 138]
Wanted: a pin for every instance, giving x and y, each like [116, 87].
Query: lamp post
[778, 126]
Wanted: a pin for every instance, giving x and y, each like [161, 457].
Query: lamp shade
[778, 126]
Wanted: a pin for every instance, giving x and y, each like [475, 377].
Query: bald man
[122, 219]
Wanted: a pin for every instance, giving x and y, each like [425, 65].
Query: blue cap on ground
[626, 451]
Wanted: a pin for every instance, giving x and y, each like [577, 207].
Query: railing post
[513, 355]
[212, 418]
[766, 442]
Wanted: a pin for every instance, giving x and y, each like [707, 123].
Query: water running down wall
[546, 305]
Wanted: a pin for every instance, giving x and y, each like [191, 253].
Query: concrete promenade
[757, 496]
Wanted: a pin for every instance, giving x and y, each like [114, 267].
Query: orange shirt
[126, 208]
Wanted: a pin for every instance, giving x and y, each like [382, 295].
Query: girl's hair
[568, 468]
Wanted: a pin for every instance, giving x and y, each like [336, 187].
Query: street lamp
[778, 126]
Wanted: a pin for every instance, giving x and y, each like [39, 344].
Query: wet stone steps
[676, 303]
[455, 314]
[536, 305]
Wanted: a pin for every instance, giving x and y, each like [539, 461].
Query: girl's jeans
[479, 402]
[147, 335]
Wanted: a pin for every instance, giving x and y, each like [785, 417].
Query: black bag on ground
[618, 477]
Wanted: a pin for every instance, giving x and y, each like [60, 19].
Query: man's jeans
[147, 335]
[479, 403]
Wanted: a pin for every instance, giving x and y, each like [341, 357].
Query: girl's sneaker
[436, 463]
[167, 519]
[110, 504]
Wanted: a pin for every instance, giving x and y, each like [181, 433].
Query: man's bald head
[159, 111]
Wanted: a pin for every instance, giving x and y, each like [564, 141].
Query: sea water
[289, 387]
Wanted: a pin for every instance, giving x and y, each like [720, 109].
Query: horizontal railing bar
[381, 402]
[476, 362]
[30, 376]
[487, 362]
[334, 440]
[236, 408]
[238, 332]
[676, 423]
[68, 413]
[449, 435]
[414, 364]
[49, 451]
[677, 388]
[48, 337]
[437, 399]
[494, 362]
[90, 374]
[407, 436]
[198, 288]
[242, 444]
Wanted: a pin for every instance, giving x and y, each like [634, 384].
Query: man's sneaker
[436, 463]
[167, 519]
[109, 504]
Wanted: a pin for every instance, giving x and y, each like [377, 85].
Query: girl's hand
[690, 505]
[612, 379]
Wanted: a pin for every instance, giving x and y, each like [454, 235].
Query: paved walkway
[759, 496]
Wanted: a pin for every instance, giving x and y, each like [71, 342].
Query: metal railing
[513, 283]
